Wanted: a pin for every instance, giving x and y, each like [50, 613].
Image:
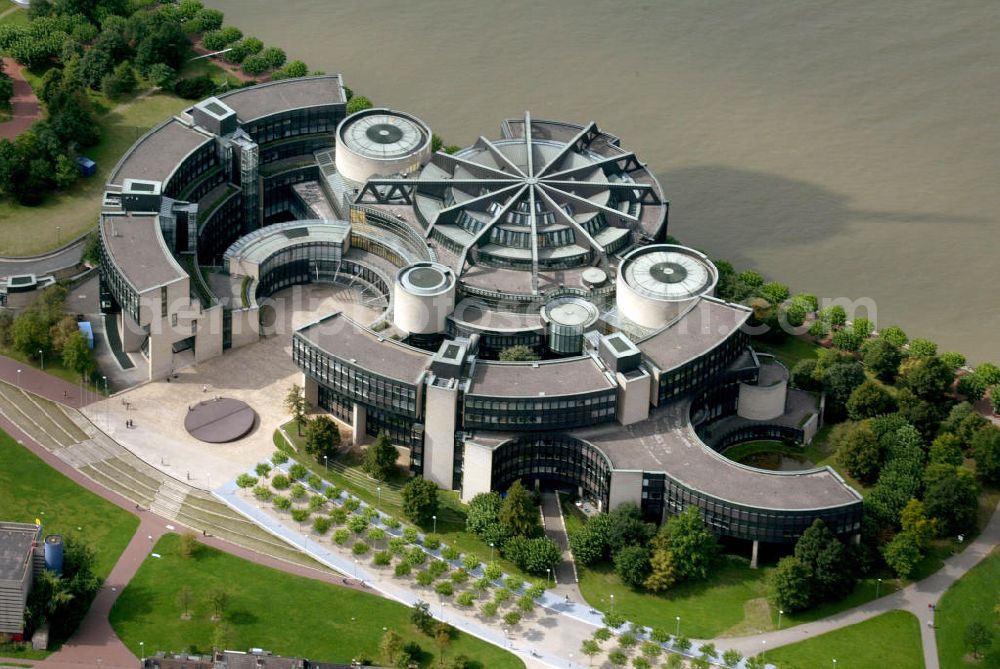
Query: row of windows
[295, 122]
[541, 412]
[552, 457]
[354, 382]
[199, 162]
[223, 228]
[337, 405]
[700, 371]
[115, 283]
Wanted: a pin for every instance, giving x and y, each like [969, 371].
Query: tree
[651, 650]
[220, 600]
[803, 375]
[694, 548]
[826, 560]
[870, 399]
[518, 353]
[587, 545]
[274, 56]
[662, 572]
[380, 458]
[518, 511]
[946, 449]
[188, 544]
[76, 355]
[902, 554]
[928, 378]
[617, 658]
[195, 88]
[420, 500]
[30, 333]
[292, 70]
[160, 75]
[963, 421]
[951, 496]
[442, 637]
[922, 348]
[296, 405]
[790, 585]
[986, 450]
[858, 450]
[535, 555]
[421, 618]
[358, 103]
[977, 638]
[184, 598]
[221, 635]
[894, 335]
[591, 649]
[120, 82]
[732, 657]
[846, 340]
[322, 438]
[221, 38]
[840, 380]
[483, 511]
[632, 565]
[882, 357]
[774, 292]
[915, 521]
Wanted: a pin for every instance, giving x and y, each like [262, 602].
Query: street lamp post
[326, 463]
[491, 551]
[763, 649]
[41, 355]
[435, 519]
[548, 572]
[107, 407]
[678, 626]
[379, 489]
[142, 651]
[612, 603]
[834, 663]
[878, 586]
[780, 613]
[19, 379]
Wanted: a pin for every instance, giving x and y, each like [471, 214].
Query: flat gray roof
[261, 244]
[709, 323]
[158, 153]
[666, 443]
[137, 248]
[342, 337]
[287, 94]
[553, 378]
[15, 547]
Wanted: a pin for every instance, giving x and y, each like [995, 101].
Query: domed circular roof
[383, 134]
[668, 272]
[569, 310]
[426, 278]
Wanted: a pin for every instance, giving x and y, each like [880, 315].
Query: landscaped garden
[972, 601]
[170, 603]
[889, 640]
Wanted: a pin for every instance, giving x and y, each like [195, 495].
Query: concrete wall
[208, 338]
[626, 486]
[439, 433]
[360, 419]
[810, 429]
[762, 402]
[246, 326]
[130, 333]
[310, 390]
[477, 467]
[633, 398]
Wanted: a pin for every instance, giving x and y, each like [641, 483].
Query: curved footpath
[46, 263]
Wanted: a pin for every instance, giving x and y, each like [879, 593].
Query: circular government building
[550, 236]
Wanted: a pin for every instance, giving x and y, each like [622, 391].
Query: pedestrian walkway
[567, 584]
[915, 598]
[25, 108]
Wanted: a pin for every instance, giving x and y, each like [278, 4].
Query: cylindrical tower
[54, 553]
[422, 297]
[566, 319]
[656, 283]
[380, 143]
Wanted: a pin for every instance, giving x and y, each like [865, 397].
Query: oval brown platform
[219, 420]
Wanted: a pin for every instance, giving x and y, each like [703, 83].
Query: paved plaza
[259, 374]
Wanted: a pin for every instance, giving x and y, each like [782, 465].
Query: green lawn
[973, 598]
[286, 614]
[789, 351]
[28, 230]
[53, 366]
[451, 512]
[30, 489]
[13, 14]
[889, 640]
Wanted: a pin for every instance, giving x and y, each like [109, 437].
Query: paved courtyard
[259, 374]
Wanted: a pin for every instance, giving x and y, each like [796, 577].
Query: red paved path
[46, 385]
[24, 103]
[95, 644]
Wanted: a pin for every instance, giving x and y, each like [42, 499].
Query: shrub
[432, 542]
[535, 591]
[410, 535]
[391, 523]
[450, 553]
[298, 471]
[525, 604]
[370, 514]
[493, 571]
[341, 536]
[375, 534]
[445, 589]
[338, 515]
[282, 502]
[465, 599]
[488, 609]
[280, 482]
[315, 481]
[263, 469]
[424, 578]
[470, 562]
[316, 502]
[459, 576]
[195, 88]
[300, 515]
[513, 583]
[358, 103]
[613, 620]
[502, 595]
[383, 559]
[333, 492]
[534, 555]
[263, 493]
[279, 458]
[246, 481]
[357, 524]
[360, 548]
[512, 618]
[321, 525]
[298, 492]
[403, 569]
[221, 38]
[416, 556]
[437, 567]
[352, 504]
[602, 634]
[397, 545]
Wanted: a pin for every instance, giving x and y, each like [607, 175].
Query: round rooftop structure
[566, 318]
[219, 420]
[381, 142]
[423, 296]
[657, 282]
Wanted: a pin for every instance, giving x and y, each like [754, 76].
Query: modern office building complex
[550, 238]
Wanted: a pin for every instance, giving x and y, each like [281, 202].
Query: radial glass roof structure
[383, 136]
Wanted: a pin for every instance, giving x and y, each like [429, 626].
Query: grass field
[889, 640]
[30, 489]
[789, 351]
[451, 512]
[285, 614]
[973, 598]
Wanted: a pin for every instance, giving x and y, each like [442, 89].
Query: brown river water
[850, 148]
